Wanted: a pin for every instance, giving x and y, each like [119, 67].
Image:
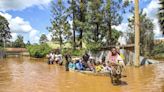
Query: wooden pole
[137, 34]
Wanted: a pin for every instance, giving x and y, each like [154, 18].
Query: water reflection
[26, 74]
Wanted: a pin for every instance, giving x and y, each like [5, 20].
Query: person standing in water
[68, 59]
[115, 58]
[85, 59]
[51, 57]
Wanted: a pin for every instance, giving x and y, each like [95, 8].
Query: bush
[38, 51]
[93, 47]
[73, 52]
[158, 49]
[78, 52]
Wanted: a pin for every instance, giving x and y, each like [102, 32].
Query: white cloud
[34, 36]
[21, 4]
[122, 40]
[156, 27]
[151, 10]
[49, 36]
[122, 27]
[19, 25]
[14, 36]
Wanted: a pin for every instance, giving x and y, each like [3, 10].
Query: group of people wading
[113, 64]
[55, 57]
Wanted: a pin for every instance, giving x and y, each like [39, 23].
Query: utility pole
[137, 34]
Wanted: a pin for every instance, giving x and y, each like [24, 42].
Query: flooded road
[33, 75]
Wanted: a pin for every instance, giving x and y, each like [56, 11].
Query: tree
[72, 15]
[158, 49]
[94, 18]
[28, 43]
[101, 15]
[79, 11]
[73, 6]
[43, 38]
[146, 33]
[80, 20]
[161, 15]
[60, 26]
[91, 20]
[19, 42]
[112, 13]
[5, 33]
[93, 32]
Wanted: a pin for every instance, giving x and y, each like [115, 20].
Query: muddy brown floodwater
[33, 75]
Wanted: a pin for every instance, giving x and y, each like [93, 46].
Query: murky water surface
[33, 75]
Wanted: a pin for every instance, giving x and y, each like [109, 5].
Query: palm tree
[161, 15]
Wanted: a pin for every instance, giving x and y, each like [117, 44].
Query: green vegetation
[146, 34]
[60, 25]
[73, 52]
[78, 52]
[53, 45]
[56, 45]
[18, 43]
[90, 20]
[43, 39]
[158, 50]
[5, 33]
[38, 51]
